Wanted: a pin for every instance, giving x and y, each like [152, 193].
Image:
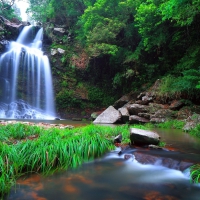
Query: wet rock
[176, 105]
[109, 116]
[154, 146]
[59, 31]
[163, 161]
[61, 51]
[184, 113]
[125, 114]
[147, 98]
[145, 115]
[154, 107]
[136, 119]
[54, 52]
[143, 137]
[164, 113]
[142, 102]
[129, 156]
[124, 100]
[118, 139]
[158, 120]
[134, 109]
[191, 122]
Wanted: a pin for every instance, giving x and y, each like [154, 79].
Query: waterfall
[26, 89]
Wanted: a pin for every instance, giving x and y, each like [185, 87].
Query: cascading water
[26, 89]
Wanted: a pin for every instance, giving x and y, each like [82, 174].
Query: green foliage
[195, 173]
[186, 85]
[166, 88]
[135, 42]
[182, 12]
[7, 11]
[196, 131]
[175, 124]
[100, 97]
[162, 144]
[65, 98]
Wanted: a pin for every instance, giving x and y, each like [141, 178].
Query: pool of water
[112, 177]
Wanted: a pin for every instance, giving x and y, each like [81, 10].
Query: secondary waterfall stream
[26, 89]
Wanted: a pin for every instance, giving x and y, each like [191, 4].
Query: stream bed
[113, 177]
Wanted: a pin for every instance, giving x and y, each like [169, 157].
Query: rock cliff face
[9, 31]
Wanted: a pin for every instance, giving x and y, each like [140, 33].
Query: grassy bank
[31, 149]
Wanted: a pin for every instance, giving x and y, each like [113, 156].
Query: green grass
[195, 173]
[53, 149]
[195, 131]
[175, 124]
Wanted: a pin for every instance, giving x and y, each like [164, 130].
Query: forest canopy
[133, 42]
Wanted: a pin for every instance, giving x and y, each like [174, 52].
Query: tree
[6, 4]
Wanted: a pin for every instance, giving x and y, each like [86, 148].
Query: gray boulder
[109, 116]
[143, 137]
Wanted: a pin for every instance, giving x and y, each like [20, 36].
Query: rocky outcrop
[191, 122]
[143, 137]
[13, 27]
[149, 107]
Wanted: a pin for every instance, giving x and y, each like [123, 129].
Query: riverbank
[44, 148]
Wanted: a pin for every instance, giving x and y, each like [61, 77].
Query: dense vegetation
[121, 45]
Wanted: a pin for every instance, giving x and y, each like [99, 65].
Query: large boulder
[143, 137]
[109, 116]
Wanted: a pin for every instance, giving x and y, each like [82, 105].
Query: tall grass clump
[195, 173]
[10, 166]
[167, 89]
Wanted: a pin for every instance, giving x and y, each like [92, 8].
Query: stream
[113, 177]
